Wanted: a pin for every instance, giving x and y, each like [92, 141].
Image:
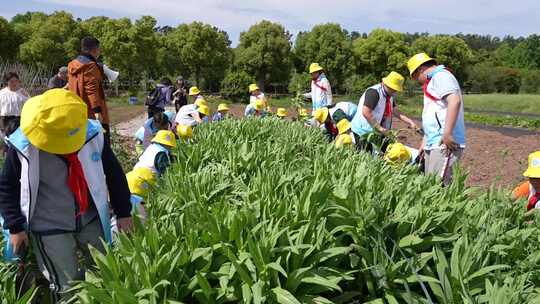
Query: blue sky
[495, 17]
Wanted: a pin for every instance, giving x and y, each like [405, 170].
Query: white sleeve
[444, 83]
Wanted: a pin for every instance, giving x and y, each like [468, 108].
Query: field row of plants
[265, 211]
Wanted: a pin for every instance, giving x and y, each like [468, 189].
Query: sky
[495, 17]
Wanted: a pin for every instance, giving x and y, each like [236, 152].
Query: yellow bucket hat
[203, 109]
[394, 81]
[55, 122]
[533, 171]
[165, 137]
[223, 107]
[416, 61]
[281, 112]
[315, 67]
[343, 126]
[194, 91]
[139, 180]
[321, 114]
[253, 87]
[397, 153]
[259, 105]
[344, 140]
[185, 132]
[201, 102]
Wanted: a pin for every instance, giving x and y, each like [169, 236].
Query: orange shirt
[521, 191]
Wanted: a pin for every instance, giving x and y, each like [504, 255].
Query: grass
[520, 103]
[120, 110]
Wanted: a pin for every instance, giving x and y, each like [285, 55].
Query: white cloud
[497, 17]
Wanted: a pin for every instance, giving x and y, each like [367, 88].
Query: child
[184, 132]
[193, 114]
[256, 109]
[533, 173]
[222, 111]
[281, 113]
[152, 164]
[344, 133]
[398, 153]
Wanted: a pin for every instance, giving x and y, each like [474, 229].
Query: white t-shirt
[184, 116]
[11, 102]
[253, 99]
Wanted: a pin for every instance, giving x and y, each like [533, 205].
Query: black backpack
[153, 97]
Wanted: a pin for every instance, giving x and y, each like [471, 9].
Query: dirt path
[493, 155]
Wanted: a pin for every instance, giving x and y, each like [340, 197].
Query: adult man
[56, 183]
[442, 117]
[85, 78]
[12, 99]
[180, 94]
[377, 108]
[59, 80]
[321, 92]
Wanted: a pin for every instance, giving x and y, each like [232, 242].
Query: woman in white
[12, 99]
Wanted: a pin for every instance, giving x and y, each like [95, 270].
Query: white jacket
[321, 92]
[11, 103]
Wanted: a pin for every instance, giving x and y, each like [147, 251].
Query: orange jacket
[85, 78]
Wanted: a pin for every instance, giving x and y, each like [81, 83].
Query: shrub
[235, 86]
[299, 83]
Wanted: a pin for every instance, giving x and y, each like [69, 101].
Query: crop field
[265, 211]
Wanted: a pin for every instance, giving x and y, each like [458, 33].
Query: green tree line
[267, 54]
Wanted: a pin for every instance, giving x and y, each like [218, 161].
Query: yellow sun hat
[315, 67]
[344, 140]
[139, 180]
[394, 81]
[201, 102]
[416, 61]
[533, 171]
[165, 137]
[397, 153]
[321, 114]
[223, 107]
[55, 122]
[203, 109]
[281, 112]
[194, 91]
[259, 105]
[185, 132]
[253, 87]
[343, 126]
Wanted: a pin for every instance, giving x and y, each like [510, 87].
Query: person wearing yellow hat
[398, 153]
[327, 117]
[193, 114]
[139, 181]
[222, 112]
[256, 94]
[184, 132]
[378, 107]
[442, 117]
[60, 179]
[531, 188]
[345, 136]
[257, 109]
[321, 91]
[157, 156]
[281, 113]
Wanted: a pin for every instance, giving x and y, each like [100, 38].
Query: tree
[380, 53]
[330, 46]
[50, 40]
[264, 51]
[203, 51]
[9, 41]
[235, 85]
[451, 51]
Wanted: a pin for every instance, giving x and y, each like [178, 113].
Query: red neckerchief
[388, 108]
[316, 83]
[331, 127]
[424, 88]
[77, 182]
[533, 200]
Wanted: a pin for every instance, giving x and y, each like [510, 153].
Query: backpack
[153, 97]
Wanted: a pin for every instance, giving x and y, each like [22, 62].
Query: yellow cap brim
[532, 173]
[47, 141]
